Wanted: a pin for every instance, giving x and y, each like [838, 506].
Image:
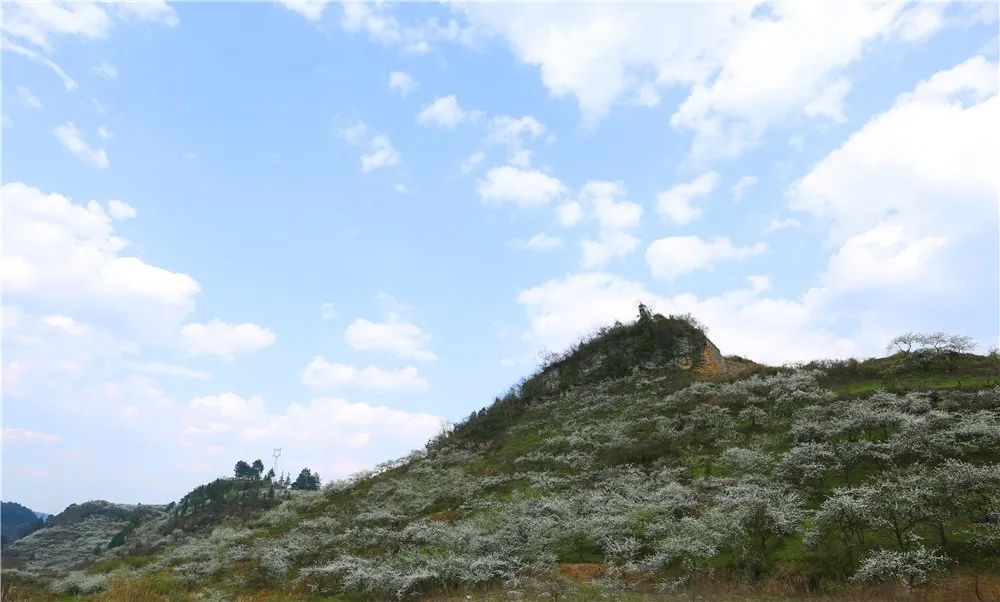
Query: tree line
[306, 481]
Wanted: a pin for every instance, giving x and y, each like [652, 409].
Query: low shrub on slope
[650, 481]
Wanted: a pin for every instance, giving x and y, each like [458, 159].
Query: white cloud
[149, 11]
[73, 140]
[36, 23]
[646, 96]
[881, 192]
[65, 323]
[310, 9]
[511, 133]
[741, 186]
[747, 66]
[28, 98]
[68, 83]
[521, 187]
[883, 256]
[104, 133]
[354, 133]
[538, 242]
[779, 224]
[602, 53]
[224, 339]
[318, 434]
[168, 369]
[68, 257]
[402, 82]
[16, 435]
[569, 213]
[30, 27]
[120, 210]
[607, 246]
[830, 102]
[742, 321]
[677, 203]
[472, 161]
[395, 335]
[228, 405]
[105, 70]
[805, 48]
[377, 20]
[445, 112]
[611, 214]
[674, 256]
[380, 154]
[322, 375]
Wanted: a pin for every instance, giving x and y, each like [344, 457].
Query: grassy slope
[532, 483]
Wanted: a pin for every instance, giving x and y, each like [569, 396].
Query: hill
[640, 462]
[16, 521]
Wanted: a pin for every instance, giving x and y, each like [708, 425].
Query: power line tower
[276, 454]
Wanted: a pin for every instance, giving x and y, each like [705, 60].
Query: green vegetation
[641, 463]
[16, 521]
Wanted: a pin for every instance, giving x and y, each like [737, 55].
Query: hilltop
[641, 461]
[16, 521]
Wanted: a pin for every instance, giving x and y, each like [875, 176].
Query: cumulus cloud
[69, 257]
[610, 213]
[569, 213]
[677, 203]
[120, 210]
[880, 194]
[402, 82]
[377, 21]
[927, 147]
[607, 246]
[331, 435]
[604, 202]
[72, 139]
[523, 188]
[356, 133]
[322, 375]
[746, 67]
[310, 9]
[396, 336]
[381, 153]
[445, 112]
[674, 256]
[743, 321]
[512, 133]
[224, 339]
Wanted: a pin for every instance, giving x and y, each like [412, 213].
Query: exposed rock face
[712, 362]
[655, 343]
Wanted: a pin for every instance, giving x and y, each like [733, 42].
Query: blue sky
[231, 227]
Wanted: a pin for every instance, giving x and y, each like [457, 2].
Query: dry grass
[131, 591]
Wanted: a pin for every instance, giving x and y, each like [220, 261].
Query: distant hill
[642, 462]
[16, 521]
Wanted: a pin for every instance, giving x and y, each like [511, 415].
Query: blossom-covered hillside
[640, 462]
